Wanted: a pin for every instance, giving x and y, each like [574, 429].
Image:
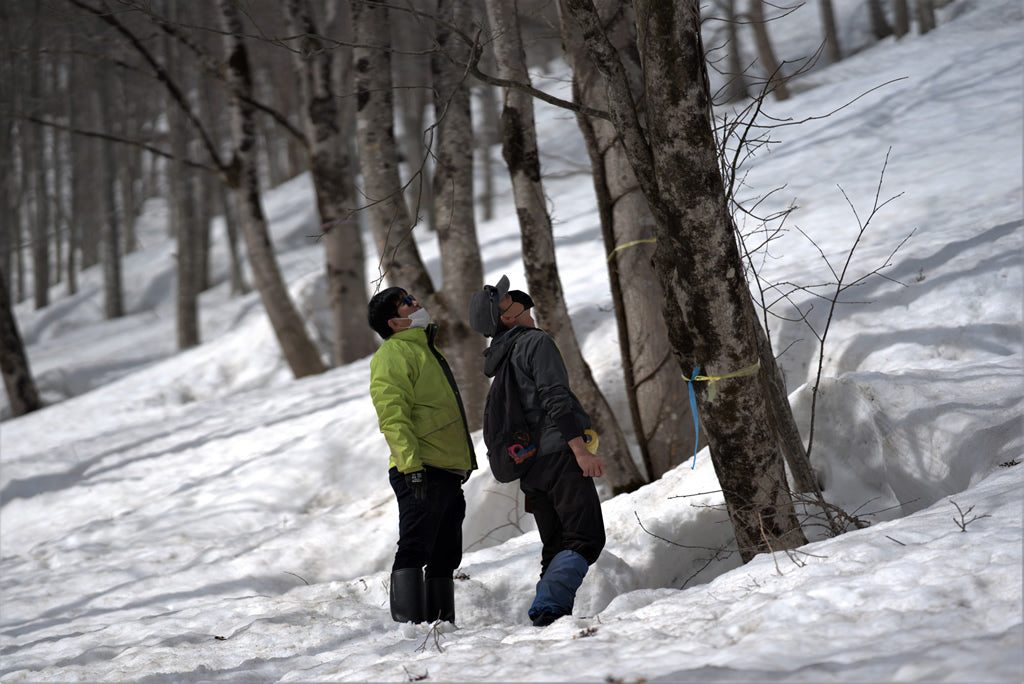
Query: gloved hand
[417, 482]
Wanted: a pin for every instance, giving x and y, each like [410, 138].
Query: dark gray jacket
[552, 410]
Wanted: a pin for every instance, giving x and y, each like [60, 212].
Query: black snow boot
[440, 599]
[407, 595]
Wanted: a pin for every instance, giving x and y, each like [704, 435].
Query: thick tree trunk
[335, 190]
[657, 392]
[461, 267]
[707, 300]
[392, 226]
[545, 285]
[299, 351]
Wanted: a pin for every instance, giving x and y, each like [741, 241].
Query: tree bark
[21, 387]
[925, 16]
[41, 219]
[523, 160]
[181, 201]
[766, 53]
[301, 354]
[828, 23]
[712, 327]
[400, 261]
[335, 189]
[113, 288]
[901, 18]
[461, 267]
[880, 27]
[657, 393]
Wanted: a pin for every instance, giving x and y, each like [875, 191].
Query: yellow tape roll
[590, 439]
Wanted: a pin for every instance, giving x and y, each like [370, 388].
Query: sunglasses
[408, 300]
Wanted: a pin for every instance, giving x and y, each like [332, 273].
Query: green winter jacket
[418, 405]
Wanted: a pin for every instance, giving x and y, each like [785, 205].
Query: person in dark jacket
[558, 485]
[420, 412]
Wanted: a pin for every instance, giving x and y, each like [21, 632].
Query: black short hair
[382, 308]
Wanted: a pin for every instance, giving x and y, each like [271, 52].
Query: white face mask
[419, 319]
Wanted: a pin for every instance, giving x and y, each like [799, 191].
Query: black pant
[566, 507]
[430, 532]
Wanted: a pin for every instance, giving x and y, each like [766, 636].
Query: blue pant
[556, 590]
[430, 532]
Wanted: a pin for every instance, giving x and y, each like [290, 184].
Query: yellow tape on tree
[629, 244]
[712, 379]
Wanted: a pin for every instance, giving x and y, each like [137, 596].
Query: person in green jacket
[420, 412]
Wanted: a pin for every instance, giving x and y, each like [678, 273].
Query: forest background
[666, 171]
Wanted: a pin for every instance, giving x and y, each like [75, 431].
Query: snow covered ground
[202, 516]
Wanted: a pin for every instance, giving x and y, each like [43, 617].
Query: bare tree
[828, 24]
[657, 393]
[41, 219]
[522, 157]
[113, 288]
[925, 16]
[302, 355]
[181, 200]
[879, 23]
[901, 17]
[766, 52]
[332, 172]
[21, 388]
[461, 266]
[386, 210]
[712, 322]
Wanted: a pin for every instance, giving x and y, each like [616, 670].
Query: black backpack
[506, 432]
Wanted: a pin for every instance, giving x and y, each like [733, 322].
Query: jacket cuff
[568, 426]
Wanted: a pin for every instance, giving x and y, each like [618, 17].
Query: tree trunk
[879, 24]
[392, 226]
[828, 22]
[9, 86]
[736, 88]
[21, 388]
[461, 268]
[656, 390]
[113, 289]
[901, 18]
[41, 220]
[229, 201]
[335, 189]
[412, 73]
[181, 202]
[707, 300]
[489, 134]
[301, 354]
[523, 160]
[925, 16]
[766, 53]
